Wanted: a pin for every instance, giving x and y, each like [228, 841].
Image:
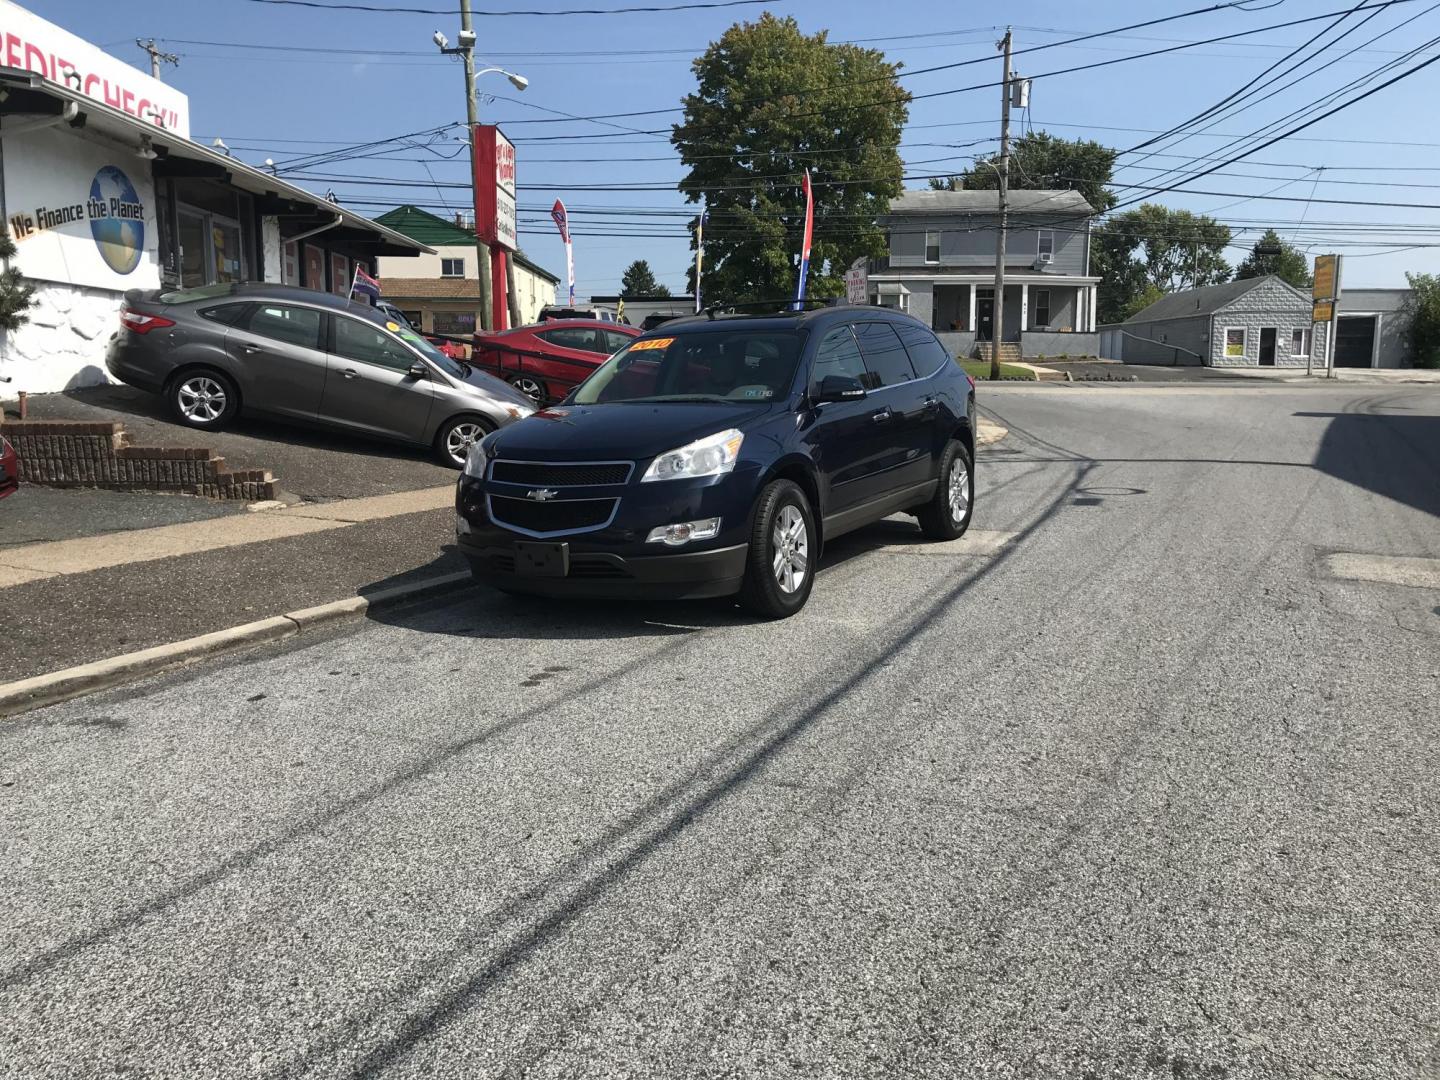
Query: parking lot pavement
[311, 464]
[40, 514]
[1142, 791]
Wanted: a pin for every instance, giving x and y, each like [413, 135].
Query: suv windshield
[744, 366]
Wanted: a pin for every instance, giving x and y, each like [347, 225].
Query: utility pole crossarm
[156, 56]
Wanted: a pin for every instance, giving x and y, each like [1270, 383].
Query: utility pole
[156, 56]
[997, 319]
[482, 253]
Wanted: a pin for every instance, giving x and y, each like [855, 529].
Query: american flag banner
[809, 235]
[562, 221]
[365, 285]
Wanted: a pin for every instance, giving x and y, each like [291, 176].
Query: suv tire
[203, 398]
[780, 570]
[947, 515]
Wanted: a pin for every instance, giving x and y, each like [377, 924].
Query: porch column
[1094, 291]
[971, 324]
[1024, 308]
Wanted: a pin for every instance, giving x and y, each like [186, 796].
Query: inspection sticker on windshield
[653, 343]
[392, 327]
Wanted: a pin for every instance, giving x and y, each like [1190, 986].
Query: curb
[57, 686]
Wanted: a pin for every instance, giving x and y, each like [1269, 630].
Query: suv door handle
[931, 401]
[351, 373]
[881, 414]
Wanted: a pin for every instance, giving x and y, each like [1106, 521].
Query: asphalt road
[1146, 794]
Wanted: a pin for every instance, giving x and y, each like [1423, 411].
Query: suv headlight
[713, 455]
[477, 459]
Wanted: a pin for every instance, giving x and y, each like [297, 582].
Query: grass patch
[979, 370]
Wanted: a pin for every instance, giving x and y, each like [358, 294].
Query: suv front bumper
[614, 560]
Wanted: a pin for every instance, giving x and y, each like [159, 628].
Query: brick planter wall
[62, 453]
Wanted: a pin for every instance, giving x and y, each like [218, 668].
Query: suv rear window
[885, 356]
[927, 355]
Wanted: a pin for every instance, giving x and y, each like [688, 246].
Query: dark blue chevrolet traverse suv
[715, 456]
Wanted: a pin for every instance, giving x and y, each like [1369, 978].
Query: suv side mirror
[418, 370]
[838, 388]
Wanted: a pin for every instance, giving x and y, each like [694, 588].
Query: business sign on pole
[30, 43]
[80, 212]
[495, 187]
[857, 282]
[1326, 290]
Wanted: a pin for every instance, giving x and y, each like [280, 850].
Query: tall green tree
[1289, 265]
[772, 101]
[1423, 307]
[1155, 245]
[14, 293]
[1043, 162]
[637, 280]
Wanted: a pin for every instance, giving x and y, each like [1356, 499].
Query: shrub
[1423, 307]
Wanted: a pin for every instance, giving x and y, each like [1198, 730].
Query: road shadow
[1391, 453]
[478, 611]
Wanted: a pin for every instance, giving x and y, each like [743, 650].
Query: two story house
[941, 269]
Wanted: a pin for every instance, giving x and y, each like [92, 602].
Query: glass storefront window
[192, 251]
[229, 265]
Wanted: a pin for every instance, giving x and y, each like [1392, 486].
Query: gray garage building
[1374, 329]
[1254, 322]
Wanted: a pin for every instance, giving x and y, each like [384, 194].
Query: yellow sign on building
[1324, 311]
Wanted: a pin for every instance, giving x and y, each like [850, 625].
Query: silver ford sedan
[297, 354]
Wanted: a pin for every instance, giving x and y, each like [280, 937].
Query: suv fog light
[684, 531]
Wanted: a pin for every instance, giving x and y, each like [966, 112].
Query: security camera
[441, 41]
[467, 39]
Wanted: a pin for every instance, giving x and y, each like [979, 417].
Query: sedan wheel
[203, 399]
[531, 388]
[458, 437]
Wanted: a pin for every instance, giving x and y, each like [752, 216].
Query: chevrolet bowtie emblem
[541, 494]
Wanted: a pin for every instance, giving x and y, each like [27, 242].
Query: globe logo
[120, 231]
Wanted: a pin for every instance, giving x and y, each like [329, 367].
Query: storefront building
[103, 191]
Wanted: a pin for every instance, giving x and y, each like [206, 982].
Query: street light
[517, 81]
[465, 49]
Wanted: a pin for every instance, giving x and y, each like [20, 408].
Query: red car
[546, 360]
[9, 468]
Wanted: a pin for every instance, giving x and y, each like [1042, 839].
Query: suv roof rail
[777, 307]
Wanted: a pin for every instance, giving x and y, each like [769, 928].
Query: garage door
[1355, 341]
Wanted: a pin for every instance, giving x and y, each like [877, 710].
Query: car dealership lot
[1136, 787]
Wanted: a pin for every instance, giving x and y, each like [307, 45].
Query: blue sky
[356, 77]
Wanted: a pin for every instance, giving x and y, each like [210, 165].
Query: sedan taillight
[141, 323]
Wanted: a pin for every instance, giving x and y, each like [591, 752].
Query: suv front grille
[551, 518]
[546, 474]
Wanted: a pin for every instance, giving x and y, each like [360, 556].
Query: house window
[1042, 307]
[1235, 342]
[1045, 245]
[1299, 342]
[932, 247]
[894, 296]
[452, 267]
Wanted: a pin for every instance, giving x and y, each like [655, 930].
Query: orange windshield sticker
[653, 343]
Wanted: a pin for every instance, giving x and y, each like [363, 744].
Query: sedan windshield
[744, 366]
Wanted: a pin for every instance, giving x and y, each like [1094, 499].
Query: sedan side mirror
[418, 370]
[838, 388]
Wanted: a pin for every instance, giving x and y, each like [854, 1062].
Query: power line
[374, 9]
